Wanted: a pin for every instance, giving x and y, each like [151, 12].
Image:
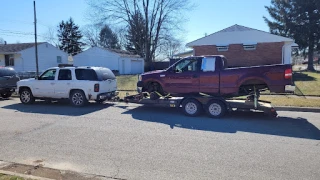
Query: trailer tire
[216, 108]
[191, 107]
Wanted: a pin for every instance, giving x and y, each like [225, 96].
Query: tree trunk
[310, 58]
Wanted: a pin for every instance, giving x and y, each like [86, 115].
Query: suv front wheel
[77, 98]
[26, 96]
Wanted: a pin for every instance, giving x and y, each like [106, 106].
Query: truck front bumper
[108, 95]
[289, 88]
[139, 86]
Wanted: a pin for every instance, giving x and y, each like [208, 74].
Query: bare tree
[91, 34]
[1, 40]
[158, 15]
[50, 36]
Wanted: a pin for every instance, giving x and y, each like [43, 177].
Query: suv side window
[64, 74]
[86, 74]
[48, 75]
[187, 65]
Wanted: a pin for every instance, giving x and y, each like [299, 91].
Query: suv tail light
[288, 73]
[96, 87]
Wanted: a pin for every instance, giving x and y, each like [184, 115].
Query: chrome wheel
[191, 108]
[215, 109]
[77, 99]
[25, 96]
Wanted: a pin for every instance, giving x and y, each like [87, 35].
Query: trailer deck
[215, 107]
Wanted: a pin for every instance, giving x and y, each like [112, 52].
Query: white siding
[101, 57]
[47, 57]
[97, 57]
[2, 61]
[126, 68]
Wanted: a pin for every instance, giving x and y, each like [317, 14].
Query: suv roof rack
[66, 65]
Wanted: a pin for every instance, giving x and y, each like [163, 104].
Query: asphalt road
[128, 141]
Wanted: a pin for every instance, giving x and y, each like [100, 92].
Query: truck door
[209, 76]
[184, 77]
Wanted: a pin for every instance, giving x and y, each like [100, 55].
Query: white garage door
[136, 66]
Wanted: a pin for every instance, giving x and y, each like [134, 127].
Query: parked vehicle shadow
[57, 108]
[302, 77]
[252, 122]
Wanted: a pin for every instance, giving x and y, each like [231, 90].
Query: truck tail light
[288, 73]
[96, 87]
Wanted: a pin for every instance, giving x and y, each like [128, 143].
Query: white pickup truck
[78, 84]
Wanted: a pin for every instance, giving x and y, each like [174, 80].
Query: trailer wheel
[191, 107]
[216, 109]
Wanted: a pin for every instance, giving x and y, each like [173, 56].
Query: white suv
[78, 84]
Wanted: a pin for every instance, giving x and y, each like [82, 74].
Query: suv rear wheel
[77, 98]
[26, 96]
[6, 94]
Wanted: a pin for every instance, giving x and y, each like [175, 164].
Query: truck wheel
[154, 96]
[26, 96]
[191, 107]
[77, 98]
[216, 109]
[6, 95]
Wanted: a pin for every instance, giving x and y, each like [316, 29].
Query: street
[129, 141]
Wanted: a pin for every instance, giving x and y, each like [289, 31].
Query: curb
[297, 109]
[23, 175]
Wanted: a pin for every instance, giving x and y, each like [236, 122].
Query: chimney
[5, 42]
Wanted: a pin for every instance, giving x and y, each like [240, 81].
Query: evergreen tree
[108, 39]
[69, 37]
[297, 19]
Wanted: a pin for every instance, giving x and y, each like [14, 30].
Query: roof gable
[237, 34]
[14, 48]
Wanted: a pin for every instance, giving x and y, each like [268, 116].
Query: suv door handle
[195, 76]
[52, 83]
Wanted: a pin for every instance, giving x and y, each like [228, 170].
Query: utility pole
[35, 37]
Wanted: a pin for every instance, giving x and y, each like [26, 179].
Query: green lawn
[8, 177]
[307, 83]
[127, 85]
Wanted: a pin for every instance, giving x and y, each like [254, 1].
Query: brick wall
[264, 54]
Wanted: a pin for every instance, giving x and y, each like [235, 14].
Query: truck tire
[191, 107]
[6, 94]
[26, 96]
[77, 98]
[216, 108]
[154, 96]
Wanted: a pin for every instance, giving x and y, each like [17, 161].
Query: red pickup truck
[211, 75]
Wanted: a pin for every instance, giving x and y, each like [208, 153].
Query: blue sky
[208, 16]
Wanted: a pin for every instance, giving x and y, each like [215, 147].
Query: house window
[59, 59]
[249, 47]
[222, 48]
[9, 60]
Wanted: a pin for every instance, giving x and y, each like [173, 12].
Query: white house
[123, 61]
[22, 56]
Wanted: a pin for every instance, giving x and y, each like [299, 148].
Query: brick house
[244, 46]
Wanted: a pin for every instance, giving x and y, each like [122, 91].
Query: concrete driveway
[129, 141]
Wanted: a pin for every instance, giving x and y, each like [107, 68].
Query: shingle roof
[123, 53]
[238, 34]
[13, 48]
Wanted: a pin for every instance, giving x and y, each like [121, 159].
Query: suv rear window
[86, 74]
[106, 74]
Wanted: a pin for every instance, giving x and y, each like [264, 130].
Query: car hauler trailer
[215, 107]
